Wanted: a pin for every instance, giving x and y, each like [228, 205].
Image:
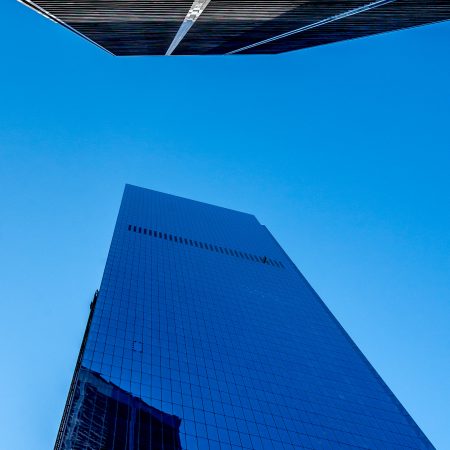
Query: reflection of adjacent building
[105, 417]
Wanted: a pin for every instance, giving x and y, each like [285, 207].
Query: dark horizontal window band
[204, 246]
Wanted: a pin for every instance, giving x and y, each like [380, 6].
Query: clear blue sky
[342, 151]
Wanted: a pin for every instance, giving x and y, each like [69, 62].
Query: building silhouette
[217, 27]
[205, 335]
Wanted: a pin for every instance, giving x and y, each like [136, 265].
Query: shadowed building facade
[205, 335]
[217, 27]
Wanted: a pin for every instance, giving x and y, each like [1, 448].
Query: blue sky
[343, 151]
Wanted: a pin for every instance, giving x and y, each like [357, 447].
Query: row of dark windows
[205, 246]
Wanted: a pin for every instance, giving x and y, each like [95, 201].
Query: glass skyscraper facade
[205, 335]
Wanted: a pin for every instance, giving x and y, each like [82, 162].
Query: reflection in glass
[104, 416]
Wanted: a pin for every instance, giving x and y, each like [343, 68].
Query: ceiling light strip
[194, 13]
[340, 16]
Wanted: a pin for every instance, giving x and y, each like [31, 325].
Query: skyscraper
[217, 27]
[205, 335]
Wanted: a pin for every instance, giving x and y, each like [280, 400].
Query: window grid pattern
[245, 357]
